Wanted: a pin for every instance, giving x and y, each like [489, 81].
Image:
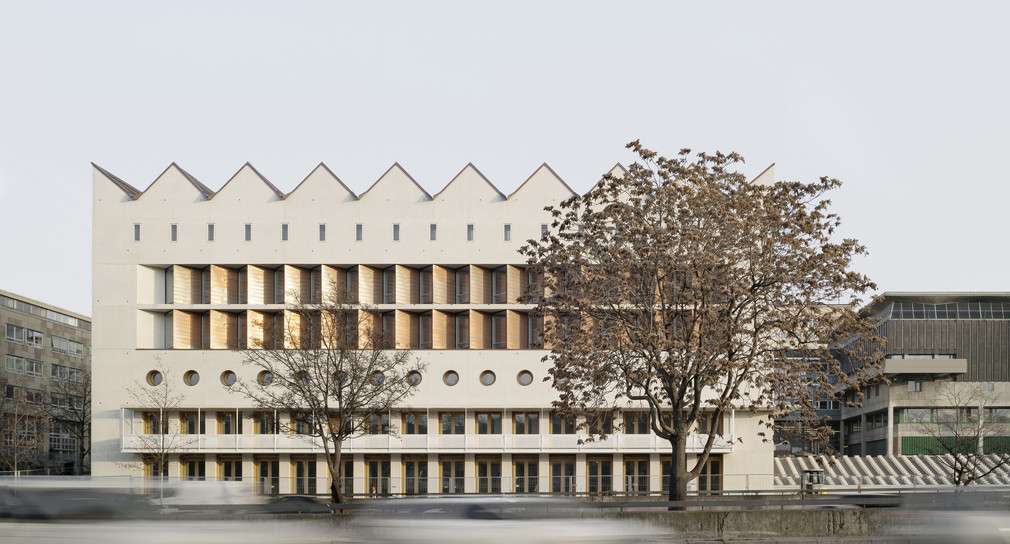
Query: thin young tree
[329, 366]
[965, 431]
[158, 440]
[23, 421]
[681, 288]
[70, 408]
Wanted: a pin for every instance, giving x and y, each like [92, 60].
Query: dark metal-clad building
[936, 344]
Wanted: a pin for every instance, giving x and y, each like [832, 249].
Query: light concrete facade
[158, 256]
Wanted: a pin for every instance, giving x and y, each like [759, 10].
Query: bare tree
[682, 288]
[963, 428]
[70, 409]
[158, 440]
[328, 365]
[24, 422]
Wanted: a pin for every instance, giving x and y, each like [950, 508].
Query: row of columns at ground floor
[431, 473]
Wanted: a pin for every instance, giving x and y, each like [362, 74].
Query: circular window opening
[524, 377]
[302, 377]
[340, 378]
[228, 378]
[265, 378]
[191, 378]
[414, 377]
[154, 378]
[450, 378]
[378, 378]
[487, 377]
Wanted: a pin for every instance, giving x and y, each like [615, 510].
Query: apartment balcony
[429, 443]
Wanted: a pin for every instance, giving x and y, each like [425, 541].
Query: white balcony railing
[634, 443]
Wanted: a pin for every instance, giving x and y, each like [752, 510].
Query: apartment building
[185, 277]
[939, 346]
[47, 359]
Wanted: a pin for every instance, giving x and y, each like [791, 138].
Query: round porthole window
[154, 377]
[228, 378]
[525, 377]
[378, 378]
[191, 378]
[265, 377]
[414, 377]
[487, 377]
[450, 378]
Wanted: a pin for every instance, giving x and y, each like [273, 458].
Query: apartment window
[561, 425]
[33, 338]
[526, 422]
[248, 232]
[636, 423]
[175, 232]
[499, 336]
[351, 285]
[425, 295]
[463, 331]
[322, 232]
[508, 232]
[15, 334]
[357, 232]
[62, 373]
[265, 422]
[424, 331]
[210, 232]
[914, 386]
[469, 232]
[377, 424]
[229, 423]
[136, 232]
[33, 368]
[284, 232]
[499, 285]
[543, 230]
[432, 232]
[453, 423]
[154, 424]
[389, 286]
[15, 364]
[463, 286]
[489, 423]
[415, 423]
[193, 423]
[600, 423]
[59, 345]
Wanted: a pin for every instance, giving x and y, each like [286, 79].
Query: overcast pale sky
[905, 102]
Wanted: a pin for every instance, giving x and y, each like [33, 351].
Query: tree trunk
[678, 469]
[336, 474]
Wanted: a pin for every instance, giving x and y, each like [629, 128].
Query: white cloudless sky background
[905, 102]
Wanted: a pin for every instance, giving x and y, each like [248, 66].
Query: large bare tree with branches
[158, 438]
[329, 366]
[965, 430]
[682, 288]
[70, 408]
[23, 425]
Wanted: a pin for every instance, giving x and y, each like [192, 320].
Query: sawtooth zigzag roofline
[130, 190]
[479, 173]
[327, 168]
[390, 169]
[549, 169]
[616, 166]
[255, 171]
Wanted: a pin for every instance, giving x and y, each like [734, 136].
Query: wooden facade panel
[223, 285]
[514, 333]
[408, 286]
[369, 285]
[223, 330]
[515, 283]
[406, 330]
[261, 284]
[187, 285]
[441, 323]
[480, 286]
[440, 284]
[187, 330]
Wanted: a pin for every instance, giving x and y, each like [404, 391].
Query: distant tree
[70, 409]
[966, 431]
[24, 422]
[336, 375]
[682, 288]
[158, 439]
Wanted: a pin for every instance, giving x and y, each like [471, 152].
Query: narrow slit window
[210, 232]
[396, 232]
[136, 232]
[322, 232]
[357, 232]
[284, 232]
[432, 232]
[175, 232]
[508, 232]
[248, 232]
[469, 232]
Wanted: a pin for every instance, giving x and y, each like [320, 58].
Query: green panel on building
[929, 445]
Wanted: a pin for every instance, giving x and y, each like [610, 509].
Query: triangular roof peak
[396, 166]
[130, 190]
[766, 177]
[470, 166]
[618, 171]
[552, 173]
[196, 183]
[322, 166]
[258, 175]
